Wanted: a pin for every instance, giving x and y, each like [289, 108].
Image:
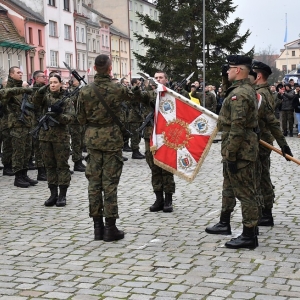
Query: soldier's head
[55, 83]
[262, 70]
[15, 73]
[103, 64]
[161, 77]
[238, 67]
[273, 88]
[39, 77]
[124, 81]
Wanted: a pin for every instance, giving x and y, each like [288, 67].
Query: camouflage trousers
[21, 148]
[162, 180]
[287, 118]
[76, 132]
[103, 171]
[55, 158]
[6, 147]
[135, 139]
[37, 153]
[243, 187]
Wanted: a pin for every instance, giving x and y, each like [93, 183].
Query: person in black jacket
[296, 105]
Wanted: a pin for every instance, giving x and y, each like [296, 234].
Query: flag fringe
[199, 164]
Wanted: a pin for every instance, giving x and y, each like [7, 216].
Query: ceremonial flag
[182, 135]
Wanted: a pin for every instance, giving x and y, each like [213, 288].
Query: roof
[25, 11]
[9, 36]
[116, 31]
[97, 13]
[89, 22]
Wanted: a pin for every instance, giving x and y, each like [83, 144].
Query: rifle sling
[114, 117]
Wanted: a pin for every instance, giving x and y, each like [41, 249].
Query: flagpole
[203, 46]
[285, 40]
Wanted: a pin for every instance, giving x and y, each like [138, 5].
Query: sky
[266, 21]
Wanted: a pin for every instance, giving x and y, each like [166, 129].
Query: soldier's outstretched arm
[5, 94]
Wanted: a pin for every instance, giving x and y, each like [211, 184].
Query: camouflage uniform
[269, 127]
[55, 142]
[162, 180]
[237, 120]
[21, 140]
[104, 142]
[210, 100]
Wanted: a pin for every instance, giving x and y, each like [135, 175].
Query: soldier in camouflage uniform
[162, 180]
[76, 132]
[104, 142]
[210, 99]
[39, 81]
[238, 120]
[19, 124]
[135, 120]
[269, 127]
[55, 142]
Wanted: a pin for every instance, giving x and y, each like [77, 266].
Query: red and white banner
[182, 135]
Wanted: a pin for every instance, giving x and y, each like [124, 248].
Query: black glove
[55, 108]
[286, 150]
[232, 166]
[225, 68]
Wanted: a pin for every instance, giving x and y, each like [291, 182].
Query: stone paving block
[57, 295]
[239, 295]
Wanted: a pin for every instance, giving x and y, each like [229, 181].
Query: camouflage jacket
[135, 111]
[13, 107]
[57, 132]
[101, 131]
[210, 100]
[268, 124]
[74, 99]
[237, 120]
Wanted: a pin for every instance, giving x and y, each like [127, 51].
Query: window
[125, 71]
[103, 40]
[68, 59]
[142, 29]
[122, 69]
[67, 5]
[293, 54]
[89, 44]
[83, 62]
[121, 46]
[53, 58]
[106, 41]
[284, 68]
[9, 59]
[94, 45]
[98, 46]
[19, 60]
[51, 2]
[30, 35]
[151, 13]
[41, 63]
[293, 67]
[135, 7]
[136, 26]
[155, 15]
[52, 28]
[67, 32]
[31, 64]
[77, 34]
[78, 61]
[40, 37]
[130, 5]
[141, 9]
[82, 35]
[130, 25]
[125, 47]
[132, 64]
[137, 45]
[131, 44]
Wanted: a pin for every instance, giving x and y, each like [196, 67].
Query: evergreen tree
[177, 47]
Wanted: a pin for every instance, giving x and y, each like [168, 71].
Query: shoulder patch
[233, 98]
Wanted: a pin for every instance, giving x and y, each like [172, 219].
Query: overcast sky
[266, 21]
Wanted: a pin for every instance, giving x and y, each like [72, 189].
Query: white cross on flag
[182, 135]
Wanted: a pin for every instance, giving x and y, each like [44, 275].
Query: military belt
[227, 128]
[100, 125]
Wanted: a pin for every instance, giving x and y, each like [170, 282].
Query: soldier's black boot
[7, 170]
[248, 239]
[28, 179]
[137, 155]
[111, 232]
[31, 165]
[285, 132]
[223, 227]
[53, 197]
[62, 197]
[79, 166]
[267, 218]
[98, 228]
[291, 133]
[20, 181]
[168, 207]
[159, 202]
[41, 176]
[126, 147]
[124, 158]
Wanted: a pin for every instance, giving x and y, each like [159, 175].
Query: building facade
[289, 57]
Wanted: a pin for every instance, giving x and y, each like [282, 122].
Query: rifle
[148, 119]
[47, 120]
[25, 104]
[75, 74]
[175, 86]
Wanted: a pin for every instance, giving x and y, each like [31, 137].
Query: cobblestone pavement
[49, 253]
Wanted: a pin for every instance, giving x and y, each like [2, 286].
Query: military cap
[235, 60]
[261, 66]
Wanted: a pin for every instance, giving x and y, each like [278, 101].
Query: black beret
[261, 66]
[236, 60]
